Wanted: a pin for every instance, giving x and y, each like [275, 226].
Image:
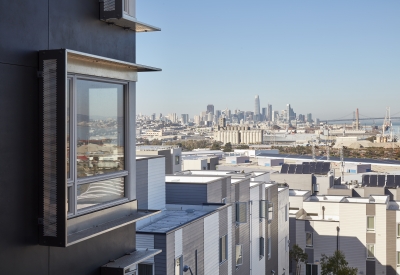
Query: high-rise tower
[210, 109]
[257, 106]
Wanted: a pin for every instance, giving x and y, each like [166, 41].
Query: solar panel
[318, 168]
[285, 168]
[397, 180]
[381, 180]
[312, 167]
[299, 169]
[390, 181]
[365, 180]
[373, 180]
[292, 169]
[306, 169]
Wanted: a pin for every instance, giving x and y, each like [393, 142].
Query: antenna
[342, 163]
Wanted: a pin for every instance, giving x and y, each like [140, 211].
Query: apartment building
[68, 77]
[173, 156]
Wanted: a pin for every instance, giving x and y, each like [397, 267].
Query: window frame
[180, 265]
[236, 255]
[221, 261]
[398, 258]
[237, 212]
[369, 229]
[73, 182]
[398, 230]
[270, 211]
[368, 245]
[262, 247]
[312, 239]
[269, 248]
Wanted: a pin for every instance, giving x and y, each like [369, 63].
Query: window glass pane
[100, 128]
[309, 239]
[177, 266]
[94, 193]
[398, 258]
[239, 258]
[69, 201]
[68, 98]
[398, 230]
[371, 250]
[222, 242]
[370, 223]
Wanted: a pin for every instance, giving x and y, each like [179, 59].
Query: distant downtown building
[239, 135]
[256, 108]
[210, 109]
[269, 112]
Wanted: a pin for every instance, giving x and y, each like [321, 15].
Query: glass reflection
[100, 128]
[91, 194]
[68, 125]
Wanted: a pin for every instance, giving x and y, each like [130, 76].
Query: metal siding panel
[170, 248]
[182, 193]
[391, 240]
[75, 25]
[274, 229]
[211, 244]
[214, 192]
[178, 243]
[257, 264]
[193, 239]
[371, 267]
[324, 238]
[370, 209]
[156, 184]
[141, 183]
[223, 230]
[160, 242]
[230, 238]
[145, 241]
[352, 238]
[380, 234]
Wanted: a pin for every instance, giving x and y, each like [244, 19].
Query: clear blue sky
[324, 57]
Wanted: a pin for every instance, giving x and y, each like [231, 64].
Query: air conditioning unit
[122, 13]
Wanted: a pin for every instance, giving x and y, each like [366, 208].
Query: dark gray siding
[142, 183]
[391, 242]
[292, 238]
[223, 230]
[75, 25]
[193, 239]
[214, 191]
[182, 193]
[27, 27]
[370, 266]
[160, 242]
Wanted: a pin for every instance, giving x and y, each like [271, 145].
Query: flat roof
[296, 192]
[175, 218]
[332, 159]
[191, 178]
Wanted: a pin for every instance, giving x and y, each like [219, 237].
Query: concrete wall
[295, 181]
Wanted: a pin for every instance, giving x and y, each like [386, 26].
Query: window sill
[101, 228]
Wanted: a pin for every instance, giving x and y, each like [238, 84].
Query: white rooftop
[190, 179]
[326, 198]
[176, 217]
[295, 192]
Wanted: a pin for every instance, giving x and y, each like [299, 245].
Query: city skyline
[327, 57]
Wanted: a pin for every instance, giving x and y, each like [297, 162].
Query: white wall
[353, 234]
[380, 238]
[283, 229]
[144, 241]
[156, 184]
[194, 164]
[230, 237]
[257, 264]
[178, 243]
[211, 244]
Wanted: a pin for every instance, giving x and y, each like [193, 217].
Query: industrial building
[269, 162]
[237, 159]
[199, 162]
[239, 135]
[172, 155]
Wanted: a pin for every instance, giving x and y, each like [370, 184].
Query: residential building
[172, 155]
[71, 204]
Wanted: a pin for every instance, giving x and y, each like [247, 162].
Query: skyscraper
[269, 112]
[264, 114]
[257, 106]
[210, 108]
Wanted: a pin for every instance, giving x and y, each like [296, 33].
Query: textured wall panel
[156, 184]
[211, 244]
[141, 183]
[178, 193]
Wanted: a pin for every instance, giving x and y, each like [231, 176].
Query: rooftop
[155, 147]
[190, 179]
[295, 192]
[176, 216]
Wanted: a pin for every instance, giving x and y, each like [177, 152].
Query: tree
[215, 146]
[299, 256]
[242, 146]
[336, 264]
[228, 147]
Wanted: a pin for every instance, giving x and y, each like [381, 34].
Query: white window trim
[398, 258]
[129, 154]
[370, 230]
[226, 248]
[397, 230]
[371, 244]
[238, 265]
